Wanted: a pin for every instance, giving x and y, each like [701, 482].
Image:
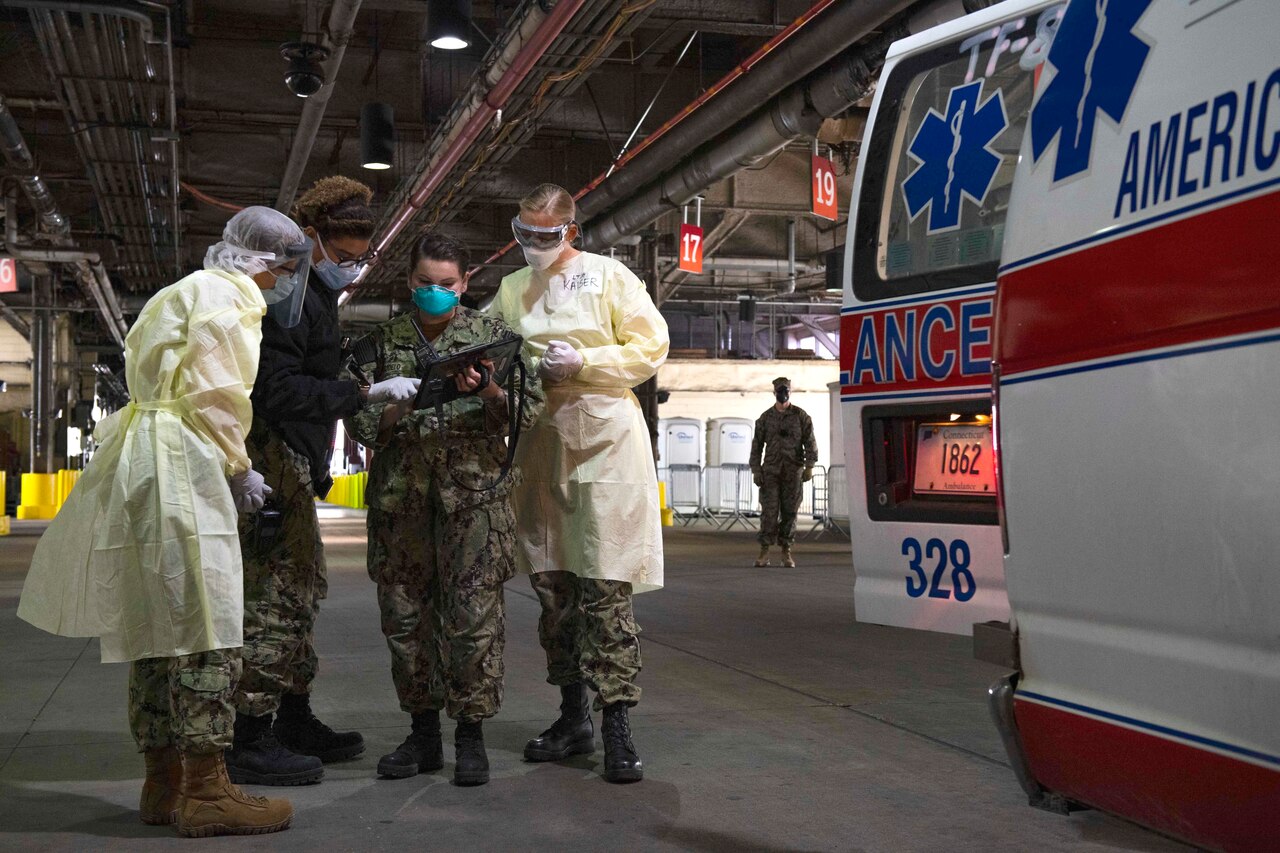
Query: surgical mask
[285, 283]
[336, 277]
[541, 259]
[435, 300]
[782, 393]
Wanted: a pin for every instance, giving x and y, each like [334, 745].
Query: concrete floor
[770, 721]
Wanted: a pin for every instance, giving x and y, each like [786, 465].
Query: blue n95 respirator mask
[434, 299]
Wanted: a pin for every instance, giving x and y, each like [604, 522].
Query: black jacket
[297, 392]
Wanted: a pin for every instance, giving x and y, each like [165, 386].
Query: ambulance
[1115, 170]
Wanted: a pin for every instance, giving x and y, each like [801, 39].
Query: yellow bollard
[4, 491]
[39, 496]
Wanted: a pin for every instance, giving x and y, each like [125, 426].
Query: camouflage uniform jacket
[786, 440]
[413, 456]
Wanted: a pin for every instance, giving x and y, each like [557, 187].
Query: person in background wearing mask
[784, 437]
[441, 534]
[144, 554]
[297, 402]
[587, 513]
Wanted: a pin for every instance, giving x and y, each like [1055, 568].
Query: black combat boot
[471, 766]
[421, 751]
[257, 758]
[299, 731]
[621, 764]
[572, 734]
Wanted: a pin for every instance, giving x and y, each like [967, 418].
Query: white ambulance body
[1118, 162]
[928, 218]
[1137, 356]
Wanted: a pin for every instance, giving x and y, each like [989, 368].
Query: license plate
[954, 459]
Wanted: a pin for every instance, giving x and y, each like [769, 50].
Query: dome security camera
[305, 74]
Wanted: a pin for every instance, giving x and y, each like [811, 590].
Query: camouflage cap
[782, 380]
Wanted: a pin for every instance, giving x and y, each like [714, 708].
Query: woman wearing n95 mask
[145, 553]
[589, 529]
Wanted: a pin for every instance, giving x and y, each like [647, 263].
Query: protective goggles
[539, 236]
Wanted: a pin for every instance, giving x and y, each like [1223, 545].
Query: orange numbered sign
[8, 275]
[690, 248]
[824, 189]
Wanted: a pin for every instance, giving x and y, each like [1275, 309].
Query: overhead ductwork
[518, 56]
[798, 112]
[114, 79]
[823, 32]
[89, 271]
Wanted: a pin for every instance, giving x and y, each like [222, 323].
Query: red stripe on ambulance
[917, 347]
[1209, 276]
[1204, 797]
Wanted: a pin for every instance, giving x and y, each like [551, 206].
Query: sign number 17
[690, 248]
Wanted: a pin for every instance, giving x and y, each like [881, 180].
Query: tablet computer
[438, 383]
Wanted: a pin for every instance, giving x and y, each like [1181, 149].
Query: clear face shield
[284, 302]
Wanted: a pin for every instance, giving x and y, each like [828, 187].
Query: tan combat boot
[210, 805]
[160, 789]
[763, 559]
[788, 561]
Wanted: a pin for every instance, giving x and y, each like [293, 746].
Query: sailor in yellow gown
[145, 554]
[587, 515]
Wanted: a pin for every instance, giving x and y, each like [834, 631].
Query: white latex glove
[560, 362]
[397, 389]
[249, 491]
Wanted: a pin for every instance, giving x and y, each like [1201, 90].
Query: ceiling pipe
[118, 160]
[90, 273]
[13, 147]
[792, 54]
[342, 19]
[89, 269]
[132, 11]
[798, 112]
[791, 258]
[538, 31]
[763, 265]
[697, 122]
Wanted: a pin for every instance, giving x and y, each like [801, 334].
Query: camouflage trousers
[184, 701]
[589, 632]
[780, 494]
[439, 578]
[284, 581]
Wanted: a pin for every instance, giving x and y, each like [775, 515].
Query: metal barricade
[813, 501]
[731, 495]
[837, 514]
[684, 493]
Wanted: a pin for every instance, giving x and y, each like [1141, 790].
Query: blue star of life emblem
[1097, 58]
[955, 161]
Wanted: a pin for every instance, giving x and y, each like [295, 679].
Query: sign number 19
[824, 189]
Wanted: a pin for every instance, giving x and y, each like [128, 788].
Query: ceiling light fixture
[377, 135]
[449, 24]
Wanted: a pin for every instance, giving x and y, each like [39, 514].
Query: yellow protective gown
[145, 553]
[589, 500]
